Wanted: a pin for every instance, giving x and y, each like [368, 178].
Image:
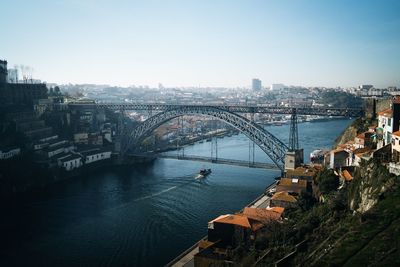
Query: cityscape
[174, 134]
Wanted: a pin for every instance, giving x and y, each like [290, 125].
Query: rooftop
[292, 181]
[386, 113]
[235, 219]
[284, 196]
[347, 176]
[262, 215]
[397, 133]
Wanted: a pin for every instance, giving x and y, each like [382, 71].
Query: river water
[143, 215]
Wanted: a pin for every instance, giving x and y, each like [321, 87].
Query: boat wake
[156, 194]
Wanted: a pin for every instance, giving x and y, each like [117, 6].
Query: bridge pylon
[294, 156]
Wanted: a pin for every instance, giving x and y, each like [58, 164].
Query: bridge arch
[272, 146]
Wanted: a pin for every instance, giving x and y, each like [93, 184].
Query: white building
[57, 148]
[277, 86]
[385, 124]
[9, 153]
[70, 162]
[96, 155]
[394, 166]
[81, 138]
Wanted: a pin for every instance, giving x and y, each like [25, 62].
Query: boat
[204, 172]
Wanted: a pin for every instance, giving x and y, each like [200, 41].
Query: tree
[327, 181]
[57, 90]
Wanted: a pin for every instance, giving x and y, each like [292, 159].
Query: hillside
[351, 228]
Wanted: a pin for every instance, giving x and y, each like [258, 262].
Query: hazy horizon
[205, 43]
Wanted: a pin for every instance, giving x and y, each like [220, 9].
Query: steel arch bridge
[272, 146]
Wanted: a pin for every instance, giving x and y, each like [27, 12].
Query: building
[263, 215]
[94, 155]
[56, 148]
[293, 185]
[3, 71]
[363, 140]
[365, 87]
[24, 93]
[303, 172]
[277, 87]
[70, 161]
[81, 138]
[7, 153]
[338, 158]
[256, 85]
[385, 127]
[230, 230]
[283, 199]
[394, 166]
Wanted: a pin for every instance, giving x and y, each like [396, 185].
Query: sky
[216, 43]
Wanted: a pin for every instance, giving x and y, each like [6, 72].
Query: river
[143, 215]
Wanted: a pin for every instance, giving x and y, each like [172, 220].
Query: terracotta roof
[361, 136]
[293, 181]
[347, 176]
[397, 133]
[235, 219]
[301, 171]
[386, 113]
[279, 210]
[284, 196]
[262, 215]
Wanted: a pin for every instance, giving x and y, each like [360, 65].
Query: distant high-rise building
[256, 85]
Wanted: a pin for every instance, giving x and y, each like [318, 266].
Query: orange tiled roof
[301, 171]
[397, 133]
[235, 219]
[290, 182]
[386, 113]
[279, 210]
[262, 215]
[347, 176]
[361, 136]
[284, 196]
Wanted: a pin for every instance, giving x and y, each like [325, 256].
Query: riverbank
[186, 258]
[16, 181]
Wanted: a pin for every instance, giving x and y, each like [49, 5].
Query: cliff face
[371, 181]
[349, 134]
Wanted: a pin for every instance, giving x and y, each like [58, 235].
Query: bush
[327, 181]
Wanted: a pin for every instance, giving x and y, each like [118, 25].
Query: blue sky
[205, 43]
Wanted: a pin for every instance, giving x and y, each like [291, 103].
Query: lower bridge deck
[242, 163]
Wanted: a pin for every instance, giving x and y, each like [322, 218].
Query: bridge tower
[295, 156]
[293, 135]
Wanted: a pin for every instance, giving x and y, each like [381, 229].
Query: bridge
[150, 107]
[274, 148]
[235, 162]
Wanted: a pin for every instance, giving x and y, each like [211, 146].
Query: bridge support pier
[294, 159]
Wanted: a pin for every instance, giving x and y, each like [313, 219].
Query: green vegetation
[327, 181]
[341, 99]
[332, 233]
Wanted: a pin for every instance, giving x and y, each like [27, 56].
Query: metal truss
[345, 112]
[271, 145]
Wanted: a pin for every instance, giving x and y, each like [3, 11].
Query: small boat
[204, 172]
